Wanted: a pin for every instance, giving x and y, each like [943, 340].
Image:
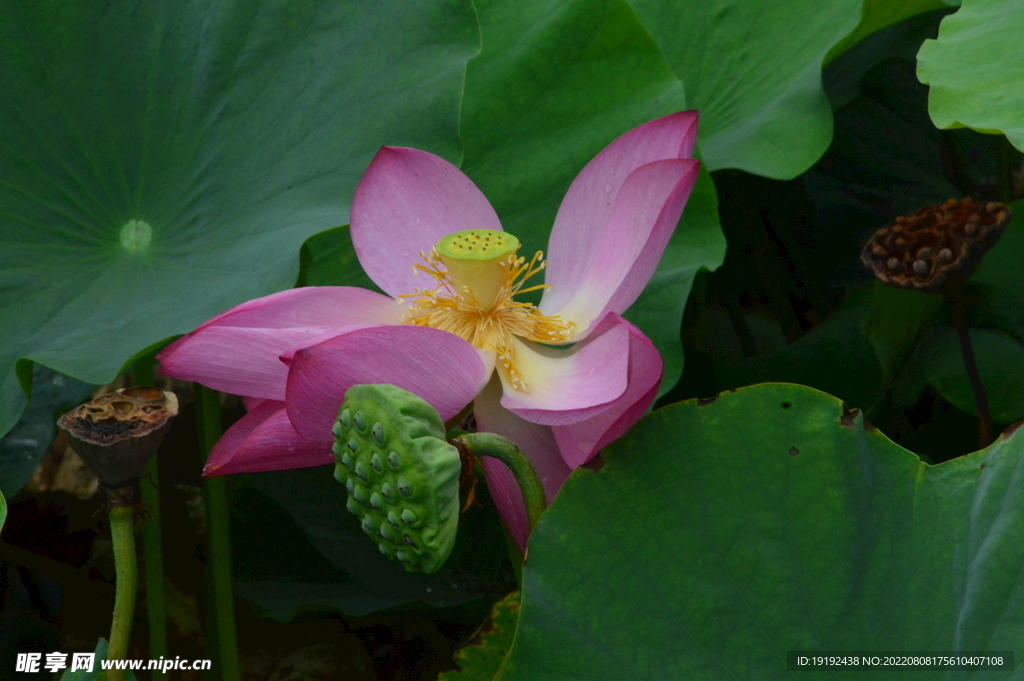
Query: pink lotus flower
[457, 334]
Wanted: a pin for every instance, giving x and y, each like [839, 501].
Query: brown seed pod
[936, 246]
[116, 434]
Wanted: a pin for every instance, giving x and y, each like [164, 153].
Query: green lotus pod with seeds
[401, 474]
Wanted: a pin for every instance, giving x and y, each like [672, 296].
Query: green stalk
[505, 451]
[218, 528]
[152, 538]
[122, 532]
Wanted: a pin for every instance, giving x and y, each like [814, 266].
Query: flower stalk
[506, 451]
[122, 532]
[218, 538]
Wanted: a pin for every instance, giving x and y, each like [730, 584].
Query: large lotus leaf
[162, 161]
[24, 446]
[753, 69]
[718, 537]
[879, 14]
[554, 84]
[480, 659]
[976, 69]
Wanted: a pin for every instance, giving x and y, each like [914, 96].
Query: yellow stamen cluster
[488, 327]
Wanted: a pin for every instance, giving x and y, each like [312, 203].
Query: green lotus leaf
[162, 162]
[479, 659]
[753, 70]
[879, 14]
[976, 69]
[26, 444]
[720, 535]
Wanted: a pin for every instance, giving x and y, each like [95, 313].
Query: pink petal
[240, 360]
[252, 402]
[583, 216]
[238, 351]
[623, 258]
[438, 366]
[568, 385]
[407, 200]
[310, 306]
[536, 441]
[580, 441]
[264, 440]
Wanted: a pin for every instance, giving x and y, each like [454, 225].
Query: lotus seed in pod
[401, 474]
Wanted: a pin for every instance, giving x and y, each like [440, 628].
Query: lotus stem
[958, 318]
[122, 531]
[505, 451]
[218, 540]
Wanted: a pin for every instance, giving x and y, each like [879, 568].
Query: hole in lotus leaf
[360, 420]
[393, 459]
[376, 462]
[404, 488]
[787, 405]
[793, 451]
[346, 418]
[378, 433]
[136, 235]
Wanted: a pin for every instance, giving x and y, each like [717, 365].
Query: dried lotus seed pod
[937, 246]
[117, 434]
[401, 473]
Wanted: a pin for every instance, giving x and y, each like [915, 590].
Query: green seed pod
[401, 473]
